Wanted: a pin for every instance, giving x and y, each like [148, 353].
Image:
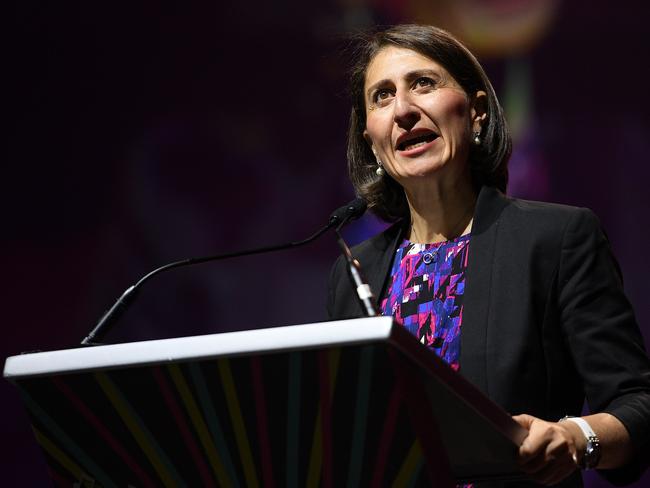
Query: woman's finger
[546, 454]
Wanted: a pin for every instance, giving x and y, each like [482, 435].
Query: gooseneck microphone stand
[339, 217]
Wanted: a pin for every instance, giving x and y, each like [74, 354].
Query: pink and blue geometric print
[425, 293]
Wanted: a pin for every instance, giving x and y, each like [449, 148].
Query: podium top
[343, 332]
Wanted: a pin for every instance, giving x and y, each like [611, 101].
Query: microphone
[339, 217]
[352, 211]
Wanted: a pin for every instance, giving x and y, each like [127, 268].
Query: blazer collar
[489, 205]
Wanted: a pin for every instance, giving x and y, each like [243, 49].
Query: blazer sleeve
[604, 336]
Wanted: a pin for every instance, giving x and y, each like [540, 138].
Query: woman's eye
[424, 82]
[381, 95]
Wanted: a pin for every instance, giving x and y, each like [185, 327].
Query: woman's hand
[548, 454]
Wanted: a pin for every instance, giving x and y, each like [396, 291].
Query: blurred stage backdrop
[143, 133]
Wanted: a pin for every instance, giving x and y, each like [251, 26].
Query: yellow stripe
[409, 466]
[61, 457]
[199, 425]
[316, 457]
[237, 422]
[130, 421]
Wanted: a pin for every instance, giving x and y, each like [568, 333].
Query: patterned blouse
[425, 293]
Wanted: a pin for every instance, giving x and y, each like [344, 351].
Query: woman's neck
[441, 212]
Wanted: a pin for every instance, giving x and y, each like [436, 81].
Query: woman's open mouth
[416, 142]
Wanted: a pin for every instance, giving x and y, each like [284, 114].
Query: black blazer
[545, 321]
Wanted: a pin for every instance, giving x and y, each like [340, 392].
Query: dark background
[147, 132]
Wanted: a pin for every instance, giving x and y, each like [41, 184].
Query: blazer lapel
[478, 286]
[378, 271]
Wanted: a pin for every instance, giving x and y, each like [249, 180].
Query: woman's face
[419, 121]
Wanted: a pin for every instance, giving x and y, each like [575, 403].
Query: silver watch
[591, 455]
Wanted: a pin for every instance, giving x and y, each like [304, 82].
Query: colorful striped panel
[328, 417]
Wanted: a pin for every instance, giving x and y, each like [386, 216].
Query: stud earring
[477, 138]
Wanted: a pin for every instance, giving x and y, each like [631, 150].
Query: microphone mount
[362, 289]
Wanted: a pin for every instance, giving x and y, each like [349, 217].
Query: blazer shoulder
[549, 217]
[545, 208]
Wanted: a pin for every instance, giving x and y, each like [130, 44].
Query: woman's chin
[421, 169]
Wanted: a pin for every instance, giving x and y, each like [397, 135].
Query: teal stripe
[150, 438]
[416, 474]
[66, 442]
[293, 419]
[360, 416]
[213, 421]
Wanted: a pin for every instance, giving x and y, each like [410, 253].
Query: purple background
[141, 134]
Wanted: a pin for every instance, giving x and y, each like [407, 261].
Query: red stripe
[262, 424]
[103, 431]
[326, 417]
[182, 426]
[387, 435]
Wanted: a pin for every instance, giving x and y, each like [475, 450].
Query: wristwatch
[591, 456]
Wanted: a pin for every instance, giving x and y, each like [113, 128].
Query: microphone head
[351, 211]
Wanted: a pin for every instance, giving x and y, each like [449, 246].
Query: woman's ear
[478, 110]
[366, 136]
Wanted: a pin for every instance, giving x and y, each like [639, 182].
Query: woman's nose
[406, 113]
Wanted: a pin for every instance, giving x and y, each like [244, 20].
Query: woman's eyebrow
[410, 76]
[415, 74]
[376, 85]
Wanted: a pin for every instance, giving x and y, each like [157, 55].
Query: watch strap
[591, 456]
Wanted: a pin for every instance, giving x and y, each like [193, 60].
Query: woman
[523, 298]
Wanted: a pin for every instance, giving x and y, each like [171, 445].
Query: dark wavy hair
[488, 161]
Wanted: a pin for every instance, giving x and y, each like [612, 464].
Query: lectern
[348, 403]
